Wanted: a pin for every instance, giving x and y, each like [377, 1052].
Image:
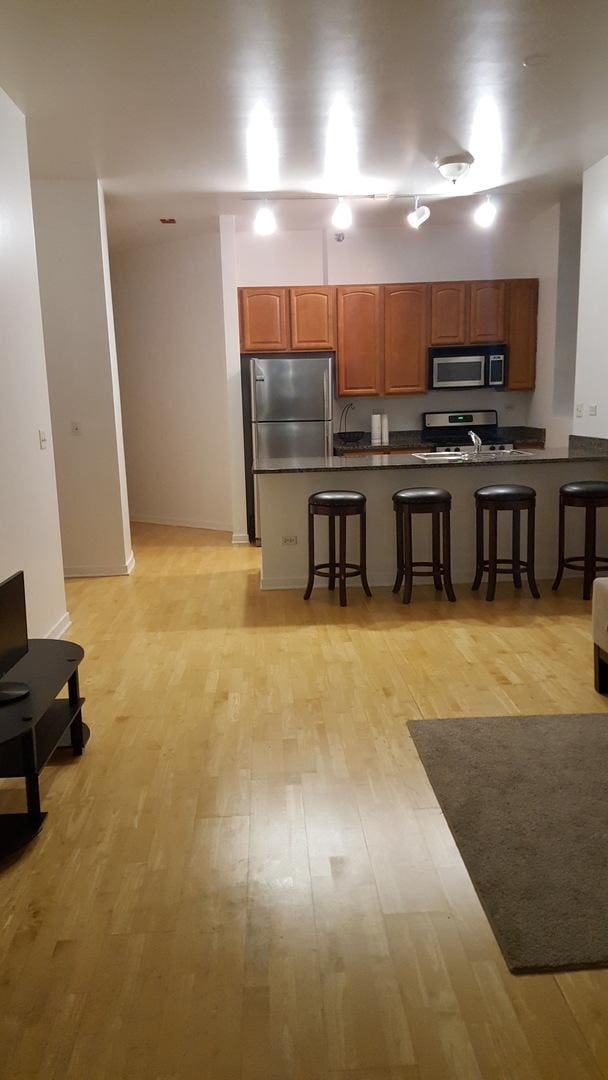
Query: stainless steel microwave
[463, 368]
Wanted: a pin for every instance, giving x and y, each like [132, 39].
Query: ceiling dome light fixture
[265, 223]
[485, 214]
[418, 215]
[342, 217]
[455, 166]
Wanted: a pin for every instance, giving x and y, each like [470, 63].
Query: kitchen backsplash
[405, 413]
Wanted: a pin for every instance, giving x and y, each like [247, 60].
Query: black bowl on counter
[348, 438]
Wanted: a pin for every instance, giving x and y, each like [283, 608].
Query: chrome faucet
[474, 437]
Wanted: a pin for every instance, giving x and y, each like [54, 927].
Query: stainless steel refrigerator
[291, 411]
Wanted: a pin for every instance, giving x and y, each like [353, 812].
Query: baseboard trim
[100, 571]
[182, 523]
[543, 576]
[240, 538]
[60, 627]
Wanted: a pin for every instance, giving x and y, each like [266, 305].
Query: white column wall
[171, 355]
[29, 522]
[591, 387]
[82, 374]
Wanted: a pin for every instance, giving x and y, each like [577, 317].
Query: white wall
[172, 360]
[591, 386]
[554, 246]
[82, 374]
[29, 522]
[442, 252]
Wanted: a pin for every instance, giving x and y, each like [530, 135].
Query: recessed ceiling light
[167, 221]
[454, 166]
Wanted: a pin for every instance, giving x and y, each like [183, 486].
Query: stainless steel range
[445, 433]
[449, 431]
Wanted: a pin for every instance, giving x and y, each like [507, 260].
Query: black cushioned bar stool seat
[338, 505]
[590, 494]
[515, 498]
[338, 498]
[423, 500]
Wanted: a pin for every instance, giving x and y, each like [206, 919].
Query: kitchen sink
[446, 456]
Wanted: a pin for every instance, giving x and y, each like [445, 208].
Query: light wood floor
[246, 877]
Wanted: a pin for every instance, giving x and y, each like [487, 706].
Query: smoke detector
[455, 166]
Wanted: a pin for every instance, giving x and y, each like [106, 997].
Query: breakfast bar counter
[284, 486]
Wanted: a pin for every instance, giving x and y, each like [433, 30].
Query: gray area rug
[526, 799]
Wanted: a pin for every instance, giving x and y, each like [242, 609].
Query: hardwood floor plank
[247, 875]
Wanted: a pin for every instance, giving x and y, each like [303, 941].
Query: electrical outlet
[289, 541]
[76, 428]
[580, 410]
[42, 439]
[593, 410]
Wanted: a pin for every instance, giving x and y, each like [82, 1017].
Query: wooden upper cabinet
[264, 319]
[360, 339]
[487, 312]
[406, 335]
[521, 333]
[448, 313]
[313, 317]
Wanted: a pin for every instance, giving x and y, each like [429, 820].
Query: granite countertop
[414, 438]
[409, 461]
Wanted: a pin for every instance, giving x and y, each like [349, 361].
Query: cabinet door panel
[487, 318]
[448, 313]
[360, 339]
[406, 334]
[313, 317]
[264, 320]
[521, 333]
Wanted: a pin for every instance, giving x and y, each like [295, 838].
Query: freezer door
[292, 439]
[292, 388]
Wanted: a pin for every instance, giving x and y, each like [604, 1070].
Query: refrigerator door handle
[252, 382]
[326, 394]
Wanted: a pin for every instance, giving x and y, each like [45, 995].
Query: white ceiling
[155, 97]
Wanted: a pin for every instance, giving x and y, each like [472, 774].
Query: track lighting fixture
[342, 217]
[265, 222]
[485, 214]
[418, 215]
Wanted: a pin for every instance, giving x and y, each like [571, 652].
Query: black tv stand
[34, 726]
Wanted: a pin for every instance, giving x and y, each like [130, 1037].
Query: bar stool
[340, 505]
[591, 494]
[435, 501]
[513, 497]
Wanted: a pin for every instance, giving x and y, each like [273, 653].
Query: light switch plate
[580, 410]
[593, 410]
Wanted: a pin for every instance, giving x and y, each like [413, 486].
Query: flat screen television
[13, 635]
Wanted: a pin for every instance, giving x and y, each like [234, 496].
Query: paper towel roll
[384, 426]
[376, 429]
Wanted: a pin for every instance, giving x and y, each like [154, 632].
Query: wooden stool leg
[311, 555]
[516, 548]
[590, 532]
[492, 553]
[560, 544]
[436, 552]
[342, 561]
[407, 555]
[399, 539]
[363, 553]
[479, 545]
[332, 553]
[530, 553]
[447, 557]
